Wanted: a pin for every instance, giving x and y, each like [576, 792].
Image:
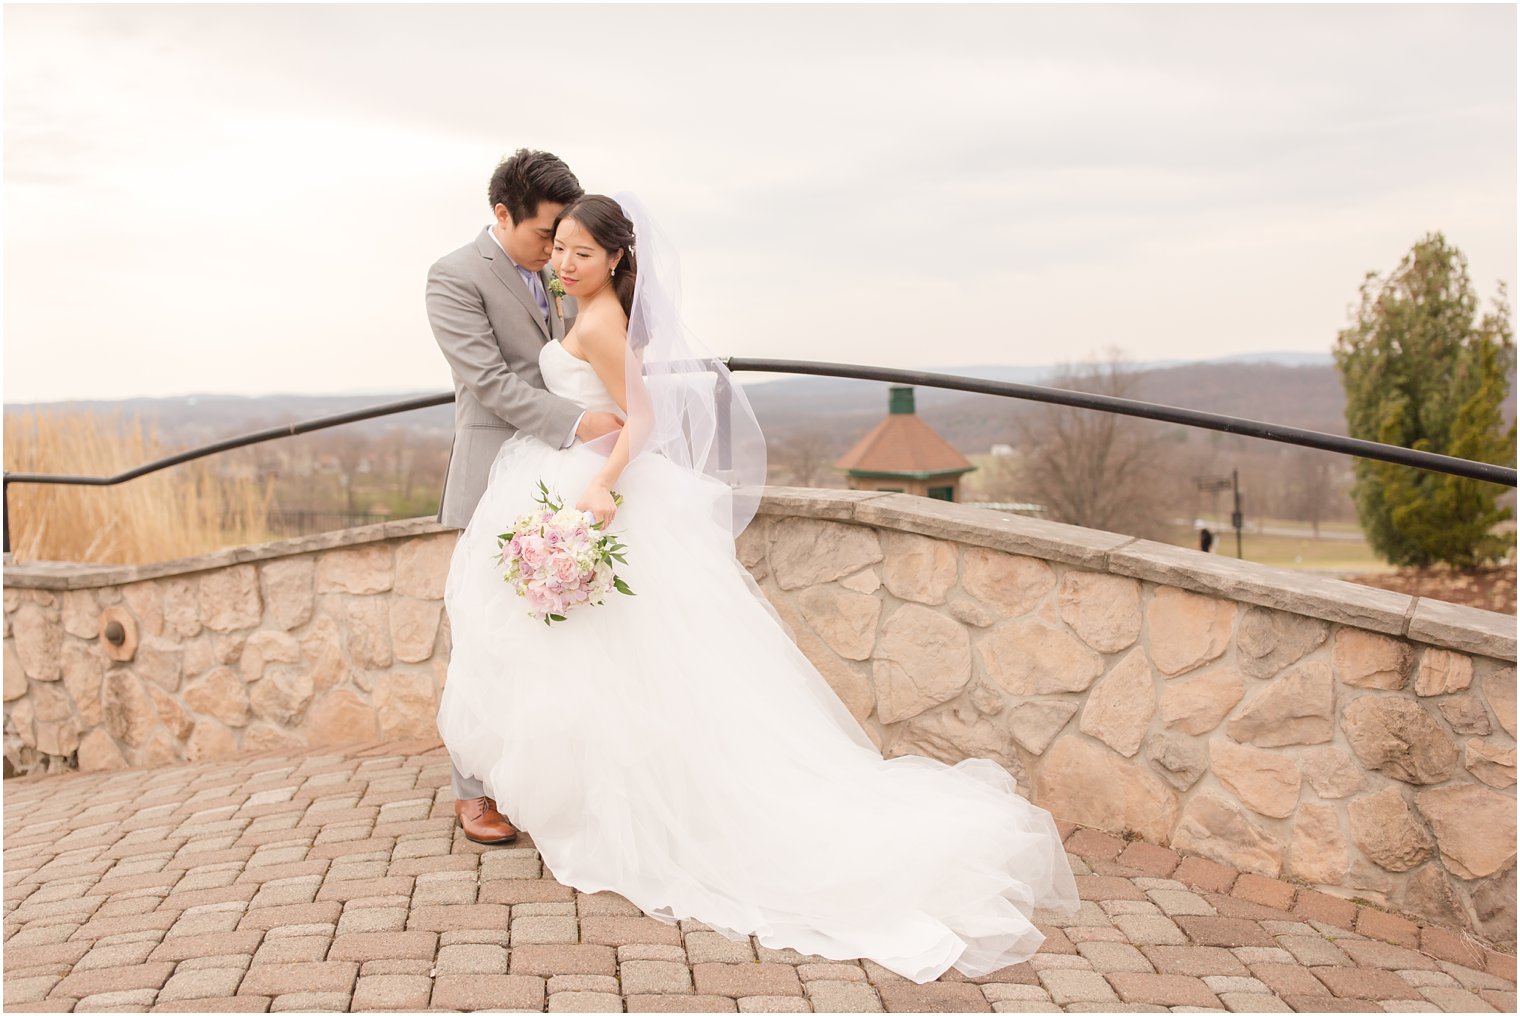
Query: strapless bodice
[570, 377]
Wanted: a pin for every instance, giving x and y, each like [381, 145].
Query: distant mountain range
[1292, 388]
[1300, 389]
[1036, 374]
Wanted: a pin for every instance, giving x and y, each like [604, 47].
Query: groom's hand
[595, 425]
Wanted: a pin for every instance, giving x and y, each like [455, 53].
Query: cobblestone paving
[338, 881]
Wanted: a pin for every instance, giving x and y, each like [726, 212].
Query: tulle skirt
[676, 748]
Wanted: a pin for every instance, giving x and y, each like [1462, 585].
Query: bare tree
[1313, 487]
[352, 449]
[806, 456]
[1091, 468]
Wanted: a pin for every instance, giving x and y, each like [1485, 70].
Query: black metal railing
[1147, 411]
[1449, 464]
[227, 445]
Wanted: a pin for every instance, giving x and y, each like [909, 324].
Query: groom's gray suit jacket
[490, 330]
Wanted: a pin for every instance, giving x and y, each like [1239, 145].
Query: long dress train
[675, 746]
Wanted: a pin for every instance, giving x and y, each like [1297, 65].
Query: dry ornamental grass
[182, 510]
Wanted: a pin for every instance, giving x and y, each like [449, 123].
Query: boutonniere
[557, 289]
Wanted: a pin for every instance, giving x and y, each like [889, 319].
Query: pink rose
[564, 568]
[544, 599]
[534, 552]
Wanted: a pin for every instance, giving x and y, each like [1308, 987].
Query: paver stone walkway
[337, 880]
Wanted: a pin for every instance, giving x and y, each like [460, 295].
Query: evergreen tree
[1421, 370]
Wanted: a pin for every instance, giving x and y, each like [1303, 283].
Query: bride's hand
[597, 499]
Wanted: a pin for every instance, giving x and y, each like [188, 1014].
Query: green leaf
[546, 499]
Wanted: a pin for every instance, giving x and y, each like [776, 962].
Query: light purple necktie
[536, 287]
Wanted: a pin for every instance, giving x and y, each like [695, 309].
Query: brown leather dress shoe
[482, 823]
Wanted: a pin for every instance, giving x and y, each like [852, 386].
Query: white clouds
[247, 198]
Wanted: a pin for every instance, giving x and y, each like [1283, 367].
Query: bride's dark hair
[603, 218]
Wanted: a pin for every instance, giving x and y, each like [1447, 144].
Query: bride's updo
[603, 218]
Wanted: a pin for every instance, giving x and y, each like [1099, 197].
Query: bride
[674, 746]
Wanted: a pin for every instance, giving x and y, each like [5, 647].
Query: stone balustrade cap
[982, 527]
[1296, 592]
[68, 575]
[1447, 625]
[1453, 626]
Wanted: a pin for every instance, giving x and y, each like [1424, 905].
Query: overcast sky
[246, 199]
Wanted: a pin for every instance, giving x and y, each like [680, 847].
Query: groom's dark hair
[527, 178]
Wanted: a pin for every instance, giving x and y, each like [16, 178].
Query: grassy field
[1333, 556]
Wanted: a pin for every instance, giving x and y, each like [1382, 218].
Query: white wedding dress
[675, 746]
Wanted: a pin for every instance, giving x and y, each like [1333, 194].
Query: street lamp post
[1232, 483]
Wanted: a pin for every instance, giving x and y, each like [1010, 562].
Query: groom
[490, 310]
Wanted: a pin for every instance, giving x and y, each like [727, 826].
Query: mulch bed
[1492, 588]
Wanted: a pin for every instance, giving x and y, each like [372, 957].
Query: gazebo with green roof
[904, 455]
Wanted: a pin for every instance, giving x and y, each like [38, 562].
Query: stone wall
[1342, 736]
[1300, 727]
[306, 642]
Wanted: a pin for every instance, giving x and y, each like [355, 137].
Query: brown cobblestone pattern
[297, 883]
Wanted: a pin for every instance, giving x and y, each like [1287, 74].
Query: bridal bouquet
[556, 559]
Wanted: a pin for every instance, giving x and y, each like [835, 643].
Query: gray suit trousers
[491, 330]
[465, 787]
